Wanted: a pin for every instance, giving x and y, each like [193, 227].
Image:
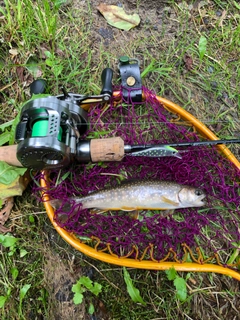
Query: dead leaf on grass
[223, 16]
[4, 214]
[188, 62]
[20, 73]
[118, 18]
[13, 52]
[33, 66]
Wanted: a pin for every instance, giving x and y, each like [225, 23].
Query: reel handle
[38, 86]
[106, 77]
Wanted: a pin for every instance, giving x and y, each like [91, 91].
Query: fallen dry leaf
[118, 18]
[188, 62]
[4, 214]
[13, 52]
[223, 16]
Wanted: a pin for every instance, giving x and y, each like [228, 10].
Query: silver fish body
[143, 195]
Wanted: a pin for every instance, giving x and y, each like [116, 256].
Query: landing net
[207, 234]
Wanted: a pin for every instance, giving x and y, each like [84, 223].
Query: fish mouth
[201, 199]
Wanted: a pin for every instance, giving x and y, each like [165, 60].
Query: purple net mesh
[213, 229]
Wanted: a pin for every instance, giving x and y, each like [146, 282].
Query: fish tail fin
[59, 204]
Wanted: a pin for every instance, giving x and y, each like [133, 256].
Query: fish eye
[198, 192]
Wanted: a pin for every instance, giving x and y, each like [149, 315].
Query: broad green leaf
[78, 298]
[96, 289]
[49, 62]
[202, 46]
[91, 309]
[2, 301]
[32, 65]
[181, 288]
[23, 252]
[117, 17]
[133, 292]
[8, 173]
[7, 241]
[76, 287]
[4, 137]
[171, 274]
[86, 282]
[236, 5]
[14, 272]
[57, 69]
[58, 3]
[24, 290]
[31, 219]
[13, 129]
[48, 54]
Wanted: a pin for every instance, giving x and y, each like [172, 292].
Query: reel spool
[48, 131]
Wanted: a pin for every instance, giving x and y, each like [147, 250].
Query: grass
[65, 48]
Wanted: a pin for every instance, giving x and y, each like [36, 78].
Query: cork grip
[110, 149]
[9, 155]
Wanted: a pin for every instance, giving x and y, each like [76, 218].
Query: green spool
[40, 129]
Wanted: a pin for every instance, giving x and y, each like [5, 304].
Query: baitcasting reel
[50, 127]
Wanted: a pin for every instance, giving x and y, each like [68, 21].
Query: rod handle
[109, 149]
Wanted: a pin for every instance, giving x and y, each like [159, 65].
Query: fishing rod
[114, 149]
[167, 149]
[50, 131]
[187, 144]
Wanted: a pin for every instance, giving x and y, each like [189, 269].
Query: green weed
[84, 284]
[179, 283]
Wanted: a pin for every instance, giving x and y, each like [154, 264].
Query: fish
[138, 195]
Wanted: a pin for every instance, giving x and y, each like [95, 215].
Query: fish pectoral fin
[174, 203]
[128, 208]
[97, 211]
[134, 214]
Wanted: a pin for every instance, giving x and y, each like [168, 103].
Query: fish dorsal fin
[174, 203]
[127, 181]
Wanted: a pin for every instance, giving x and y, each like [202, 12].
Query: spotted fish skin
[143, 195]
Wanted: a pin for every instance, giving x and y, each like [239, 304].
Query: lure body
[155, 152]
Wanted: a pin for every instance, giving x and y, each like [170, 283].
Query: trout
[139, 195]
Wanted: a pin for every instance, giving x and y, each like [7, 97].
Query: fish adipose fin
[166, 200]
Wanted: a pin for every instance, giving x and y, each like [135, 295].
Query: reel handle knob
[106, 77]
[38, 86]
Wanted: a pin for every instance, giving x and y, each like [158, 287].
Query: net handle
[151, 265]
